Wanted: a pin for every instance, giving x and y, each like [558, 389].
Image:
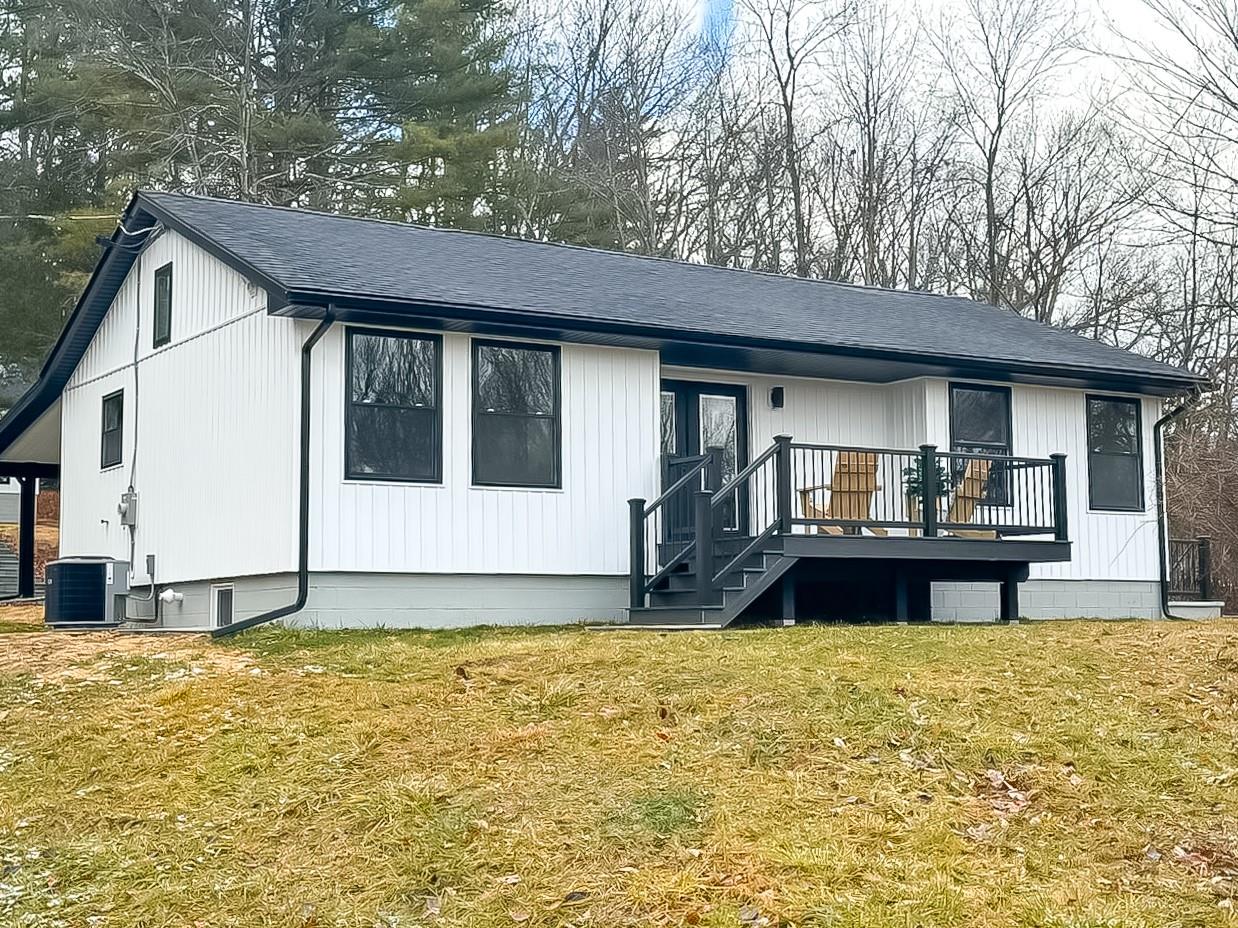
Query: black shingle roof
[360, 258]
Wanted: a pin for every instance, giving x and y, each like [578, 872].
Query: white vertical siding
[214, 417]
[818, 411]
[610, 454]
[1107, 545]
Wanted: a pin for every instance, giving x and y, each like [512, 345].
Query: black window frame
[104, 462]
[161, 339]
[556, 483]
[436, 477]
[998, 493]
[1137, 454]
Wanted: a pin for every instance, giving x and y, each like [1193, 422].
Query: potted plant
[913, 488]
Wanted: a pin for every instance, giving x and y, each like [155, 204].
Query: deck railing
[1190, 569]
[798, 488]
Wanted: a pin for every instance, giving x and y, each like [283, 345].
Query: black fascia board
[105, 281]
[212, 247]
[313, 304]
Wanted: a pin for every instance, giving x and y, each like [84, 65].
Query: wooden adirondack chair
[851, 490]
[967, 496]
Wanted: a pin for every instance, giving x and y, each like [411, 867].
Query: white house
[339, 421]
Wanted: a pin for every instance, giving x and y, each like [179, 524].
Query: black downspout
[1161, 523]
[303, 536]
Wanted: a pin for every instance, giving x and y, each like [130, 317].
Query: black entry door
[700, 418]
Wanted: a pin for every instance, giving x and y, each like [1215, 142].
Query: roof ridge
[591, 249]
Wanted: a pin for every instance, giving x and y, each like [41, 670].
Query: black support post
[25, 538]
[1205, 567]
[1061, 529]
[901, 611]
[1010, 596]
[928, 488]
[704, 546]
[788, 596]
[636, 553]
[782, 488]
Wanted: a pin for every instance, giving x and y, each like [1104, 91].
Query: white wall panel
[214, 418]
[610, 453]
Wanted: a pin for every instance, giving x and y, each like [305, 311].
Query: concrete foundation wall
[1050, 599]
[356, 600]
[251, 596]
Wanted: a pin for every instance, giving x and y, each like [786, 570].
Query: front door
[701, 418]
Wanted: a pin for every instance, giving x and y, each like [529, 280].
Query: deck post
[1061, 531]
[636, 553]
[928, 488]
[788, 597]
[1205, 567]
[25, 537]
[1010, 596]
[782, 486]
[704, 546]
[901, 611]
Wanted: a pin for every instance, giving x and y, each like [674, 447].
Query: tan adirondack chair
[851, 490]
[967, 496]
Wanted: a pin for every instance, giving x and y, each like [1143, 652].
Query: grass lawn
[1075, 773]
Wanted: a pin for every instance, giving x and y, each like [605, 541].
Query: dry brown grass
[1076, 774]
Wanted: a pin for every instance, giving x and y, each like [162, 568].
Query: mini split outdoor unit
[86, 592]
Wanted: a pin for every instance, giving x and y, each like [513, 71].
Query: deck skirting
[957, 601]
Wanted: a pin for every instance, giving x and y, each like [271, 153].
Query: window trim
[556, 354]
[982, 388]
[156, 340]
[1135, 402]
[104, 463]
[434, 338]
[1006, 450]
[216, 589]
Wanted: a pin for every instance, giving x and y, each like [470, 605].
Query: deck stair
[703, 553]
[676, 600]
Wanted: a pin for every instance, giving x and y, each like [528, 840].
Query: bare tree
[1000, 56]
[791, 36]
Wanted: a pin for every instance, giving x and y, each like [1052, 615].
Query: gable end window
[113, 428]
[163, 305]
[516, 409]
[980, 423]
[394, 406]
[1115, 454]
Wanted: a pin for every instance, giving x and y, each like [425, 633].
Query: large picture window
[980, 424]
[1115, 457]
[163, 306]
[113, 429]
[394, 425]
[515, 415]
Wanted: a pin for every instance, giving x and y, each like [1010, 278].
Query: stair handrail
[679, 484]
[640, 513]
[731, 485]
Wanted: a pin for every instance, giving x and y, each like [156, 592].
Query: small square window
[163, 305]
[113, 428]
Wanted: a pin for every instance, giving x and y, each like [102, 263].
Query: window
[113, 427]
[1115, 458]
[221, 605]
[980, 424]
[394, 417]
[163, 305]
[515, 415]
